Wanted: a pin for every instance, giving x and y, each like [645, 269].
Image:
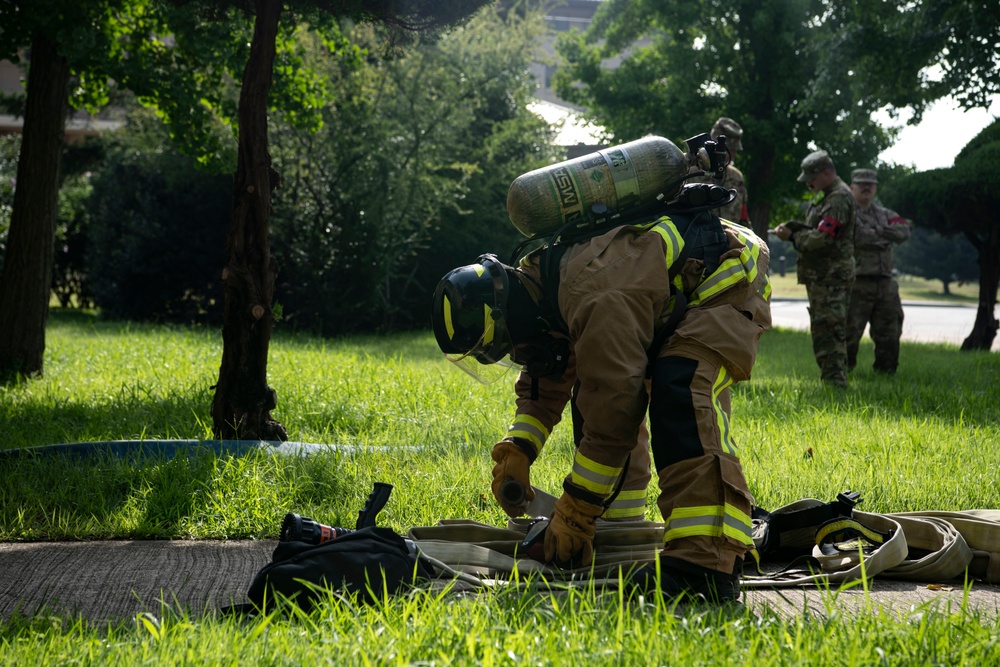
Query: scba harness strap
[694, 234]
[794, 526]
[913, 546]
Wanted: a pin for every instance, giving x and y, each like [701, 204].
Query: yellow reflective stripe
[733, 270]
[671, 237]
[625, 512]
[728, 274]
[765, 289]
[449, 326]
[709, 521]
[832, 527]
[632, 498]
[723, 381]
[595, 477]
[488, 325]
[628, 504]
[529, 428]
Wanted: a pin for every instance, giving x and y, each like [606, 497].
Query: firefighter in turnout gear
[661, 316]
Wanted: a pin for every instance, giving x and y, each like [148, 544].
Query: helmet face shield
[469, 311]
[484, 373]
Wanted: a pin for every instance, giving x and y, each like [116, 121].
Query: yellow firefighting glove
[511, 469]
[570, 535]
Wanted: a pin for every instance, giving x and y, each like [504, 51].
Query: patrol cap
[864, 176]
[732, 130]
[815, 163]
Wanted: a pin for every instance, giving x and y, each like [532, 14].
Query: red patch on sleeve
[830, 226]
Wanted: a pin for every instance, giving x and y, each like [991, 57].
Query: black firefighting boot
[679, 578]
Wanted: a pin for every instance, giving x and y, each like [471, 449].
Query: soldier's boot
[833, 370]
[886, 358]
[836, 377]
[852, 355]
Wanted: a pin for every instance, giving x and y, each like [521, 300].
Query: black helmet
[468, 311]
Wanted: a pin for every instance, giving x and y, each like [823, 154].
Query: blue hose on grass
[168, 449]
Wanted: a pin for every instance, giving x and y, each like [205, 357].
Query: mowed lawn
[927, 438]
[911, 288]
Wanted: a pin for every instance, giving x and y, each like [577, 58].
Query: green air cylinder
[611, 182]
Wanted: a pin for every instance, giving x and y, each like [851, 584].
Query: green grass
[911, 288]
[928, 438]
[577, 628]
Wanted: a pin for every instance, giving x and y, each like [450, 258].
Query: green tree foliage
[437, 135]
[963, 199]
[931, 255]
[912, 53]
[69, 280]
[797, 74]
[75, 51]
[158, 48]
[364, 227]
[686, 63]
[154, 249]
[69, 283]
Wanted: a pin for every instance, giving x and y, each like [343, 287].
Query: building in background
[576, 135]
[79, 124]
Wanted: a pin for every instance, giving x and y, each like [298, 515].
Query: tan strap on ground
[936, 551]
[981, 531]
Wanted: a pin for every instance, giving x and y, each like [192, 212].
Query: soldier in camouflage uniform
[736, 210]
[825, 244]
[875, 296]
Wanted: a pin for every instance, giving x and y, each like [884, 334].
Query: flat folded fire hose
[914, 546]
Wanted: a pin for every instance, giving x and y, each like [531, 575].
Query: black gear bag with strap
[370, 562]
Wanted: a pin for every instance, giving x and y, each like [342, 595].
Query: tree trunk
[243, 400]
[984, 330]
[760, 175]
[26, 281]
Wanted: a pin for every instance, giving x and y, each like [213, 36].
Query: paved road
[923, 321]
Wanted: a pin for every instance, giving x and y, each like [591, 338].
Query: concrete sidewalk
[115, 580]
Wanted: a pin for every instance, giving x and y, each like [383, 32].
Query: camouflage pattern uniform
[825, 244]
[875, 296]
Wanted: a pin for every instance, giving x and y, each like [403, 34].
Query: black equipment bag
[312, 559]
[372, 562]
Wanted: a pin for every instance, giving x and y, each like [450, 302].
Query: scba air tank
[611, 182]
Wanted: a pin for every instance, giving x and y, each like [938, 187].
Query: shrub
[157, 229]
